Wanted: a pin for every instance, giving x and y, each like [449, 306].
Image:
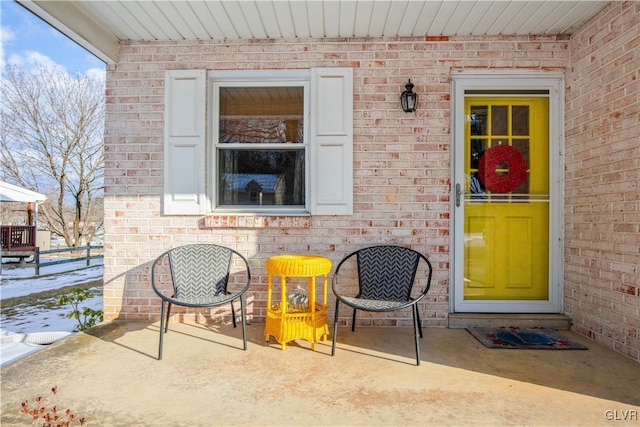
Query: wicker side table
[286, 322]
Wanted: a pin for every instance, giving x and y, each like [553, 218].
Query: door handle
[458, 195]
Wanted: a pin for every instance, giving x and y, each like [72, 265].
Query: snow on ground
[21, 281]
[41, 320]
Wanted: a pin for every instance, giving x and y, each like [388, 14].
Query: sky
[26, 38]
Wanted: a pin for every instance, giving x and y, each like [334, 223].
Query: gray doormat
[524, 338]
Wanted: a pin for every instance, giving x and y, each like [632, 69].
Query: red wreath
[497, 157]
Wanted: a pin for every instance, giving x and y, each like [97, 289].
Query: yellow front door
[506, 198]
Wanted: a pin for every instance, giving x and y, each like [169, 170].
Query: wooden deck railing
[17, 238]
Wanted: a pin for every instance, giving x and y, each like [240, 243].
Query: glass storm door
[506, 199]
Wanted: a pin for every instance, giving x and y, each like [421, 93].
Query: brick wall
[602, 211]
[401, 161]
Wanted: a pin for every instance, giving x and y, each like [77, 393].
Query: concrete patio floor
[111, 377]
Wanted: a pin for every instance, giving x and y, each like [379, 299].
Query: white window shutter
[184, 142]
[331, 141]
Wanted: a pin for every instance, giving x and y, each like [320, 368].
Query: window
[258, 142]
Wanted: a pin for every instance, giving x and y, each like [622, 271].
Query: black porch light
[409, 99]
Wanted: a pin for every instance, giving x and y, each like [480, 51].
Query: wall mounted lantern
[409, 99]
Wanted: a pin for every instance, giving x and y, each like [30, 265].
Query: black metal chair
[199, 275]
[385, 276]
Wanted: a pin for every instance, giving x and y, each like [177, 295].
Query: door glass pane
[522, 145]
[478, 147]
[499, 120]
[522, 191]
[520, 121]
[478, 127]
[478, 120]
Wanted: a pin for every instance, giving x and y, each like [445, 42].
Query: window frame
[186, 143]
[255, 78]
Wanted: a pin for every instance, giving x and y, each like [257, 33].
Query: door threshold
[519, 320]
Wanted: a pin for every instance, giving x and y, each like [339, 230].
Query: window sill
[256, 221]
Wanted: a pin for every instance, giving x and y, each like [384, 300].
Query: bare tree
[51, 142]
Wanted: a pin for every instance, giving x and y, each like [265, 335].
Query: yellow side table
[287, 322]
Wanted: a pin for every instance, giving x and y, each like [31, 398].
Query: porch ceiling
[100, 25]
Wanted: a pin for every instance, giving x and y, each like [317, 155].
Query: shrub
[86, 317]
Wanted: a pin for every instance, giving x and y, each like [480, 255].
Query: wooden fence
[74, 251]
